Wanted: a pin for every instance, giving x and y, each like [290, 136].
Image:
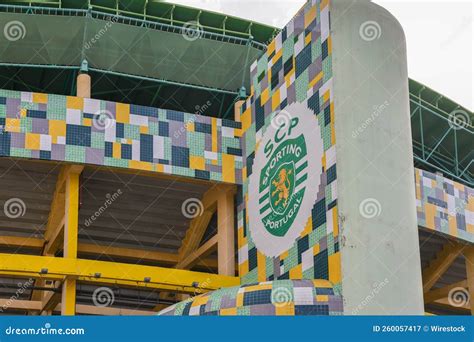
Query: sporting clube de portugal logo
[285, 179]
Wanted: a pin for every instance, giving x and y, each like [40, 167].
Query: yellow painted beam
[71, 221]
[19, 304]
[51, 299]
[442, 292]
[445, 302]
[17, 241]
[440, 264]
[194, 234]
[71, 231]
[94, 249]
[207, 248]
[211, 197]
[35, 306]
[57, 216]
[159, 175]
[107, 311]
[55, 240]
[140, 254]
[56, 212]
[68, 297]
[132, 253]
[469, 257]
[54, 233]
[111, 273]
[226, 233]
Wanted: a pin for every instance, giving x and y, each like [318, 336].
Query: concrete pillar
[381, 269]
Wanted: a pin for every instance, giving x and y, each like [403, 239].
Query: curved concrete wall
[104, 133]
[444, 206]
[380, 252]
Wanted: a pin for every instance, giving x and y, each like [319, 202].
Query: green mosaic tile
[243, 311]
[316, 49]
[292, 259]
[97, 140]
[153, 128]
[182, 171]
[12, 94]
[109, 161]
[216, 176]
[327, 69]
[328, 192]
[309, 273]
[56, 109]
[26, 125]
[167, 148]
[162, 115]
[301, 84]
[269, 265]
[230, 142]
[288, 50]
[75, 154]
[250, 277]
[131, 132]
[250, 139]
[262, 64]
[20, 152]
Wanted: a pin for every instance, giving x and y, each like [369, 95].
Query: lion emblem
[282, 187]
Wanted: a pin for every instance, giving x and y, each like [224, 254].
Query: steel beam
[111, 273]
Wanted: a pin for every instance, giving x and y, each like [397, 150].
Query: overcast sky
[439, 36]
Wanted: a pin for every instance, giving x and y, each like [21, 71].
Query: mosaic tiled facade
[444, 205]
[295, 68]
[73, 129]
[273, 298]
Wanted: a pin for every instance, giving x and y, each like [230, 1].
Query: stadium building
[161, 159]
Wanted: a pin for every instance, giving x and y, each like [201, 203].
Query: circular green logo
[285, 178]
